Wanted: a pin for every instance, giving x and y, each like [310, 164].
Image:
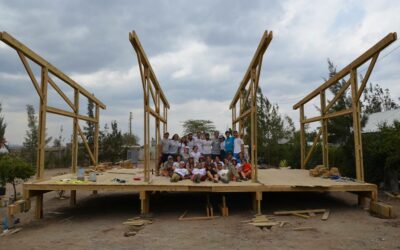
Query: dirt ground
[96, 223]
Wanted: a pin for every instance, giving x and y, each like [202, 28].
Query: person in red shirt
[246, 169]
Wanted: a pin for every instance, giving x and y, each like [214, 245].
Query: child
[190, 164]
[246, 169]
[185, 154]
[199, 173]
[218, 160]
[238, 168]
[211, 172]
[180, 173]
[167, 167]
[206, 145]
[223, 174]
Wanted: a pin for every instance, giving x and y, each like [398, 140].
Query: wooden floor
[270, 180]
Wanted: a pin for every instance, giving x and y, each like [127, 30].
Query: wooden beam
[85, 142]
[312, 149]
[30, 73]
[243, 115]
[262, 47]
[17, 45]
[61, 93]
[42, 125]
[357, 128]
[134, 39]
[302, 137]
[96, 135]
[324, 129]
[367, 75]
[329, 115]
[74, 144]
[382, 44]
[338, 95]
[58, 111]
[154, 113]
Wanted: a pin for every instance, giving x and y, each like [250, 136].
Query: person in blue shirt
[229, 142]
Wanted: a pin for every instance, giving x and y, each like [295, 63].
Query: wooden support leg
[144, 202]
[257, 198]
[224, 208]
[94, 192]
[39, 207]
[72, 201]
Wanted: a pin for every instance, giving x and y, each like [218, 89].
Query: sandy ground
[96, 223]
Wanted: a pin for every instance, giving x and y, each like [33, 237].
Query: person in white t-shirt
[199, 141]
[207, 145]
[191, 142]
[238, 146]
[195, 154]
[180, 172]
[174, 145]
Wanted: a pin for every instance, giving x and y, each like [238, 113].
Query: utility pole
[130, 123]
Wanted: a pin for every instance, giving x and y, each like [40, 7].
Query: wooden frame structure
[47, 72]
[356, 92]
[153, 95]
[247, 94]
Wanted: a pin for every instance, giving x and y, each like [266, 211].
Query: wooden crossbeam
[243, 115]
[21, 48]
[61, 93]
[58, 111]
[329, 115]
[155, 114]
[30, 73]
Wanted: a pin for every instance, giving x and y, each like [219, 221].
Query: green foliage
[194, 126]
[377, 100]
[3, 126]
[129, 139]
[111, 144]
[30, 144]
[13, 169]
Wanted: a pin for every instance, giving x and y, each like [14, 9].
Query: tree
[3, 126]
[89, 129]
[14, 169]
[30, 144]
[377, 100]
[31, 139]
[194, 126]
[59, 141]
[130, 139]
[111, 143]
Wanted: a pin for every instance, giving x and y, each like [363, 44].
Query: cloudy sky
[199, 51]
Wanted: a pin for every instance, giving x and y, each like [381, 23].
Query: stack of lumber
[381, 209]
[320, 170]
[102, 167]
[125, 164]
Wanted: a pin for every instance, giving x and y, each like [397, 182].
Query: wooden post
[96, 139]
[253, 126]
[157, 132]
[234, 117]
[324, 128]
[257, 198]
[75, 144]
[357, 127]
[39, 207]
[302, 138]
[144, 202]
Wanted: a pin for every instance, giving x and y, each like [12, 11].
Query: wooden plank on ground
[325, 215]
[300, 212]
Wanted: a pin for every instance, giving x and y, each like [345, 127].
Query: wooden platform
[270, 180]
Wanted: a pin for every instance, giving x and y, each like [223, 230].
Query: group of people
[200, 158]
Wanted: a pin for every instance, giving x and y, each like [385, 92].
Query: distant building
[377, 119]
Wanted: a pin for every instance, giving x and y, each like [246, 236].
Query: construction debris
[304, 229]
[135, 225]
[382, 210]
[320, 170]
[305, 214]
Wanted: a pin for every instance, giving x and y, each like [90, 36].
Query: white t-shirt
[222, 164]
[237, 148]
[191, 144]
[165, 146]
[223, 172]
[174, 146]
[199, 144]
[181, 171]
[223, 145]
[207, 146]
[200, 171]
[196, 156]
